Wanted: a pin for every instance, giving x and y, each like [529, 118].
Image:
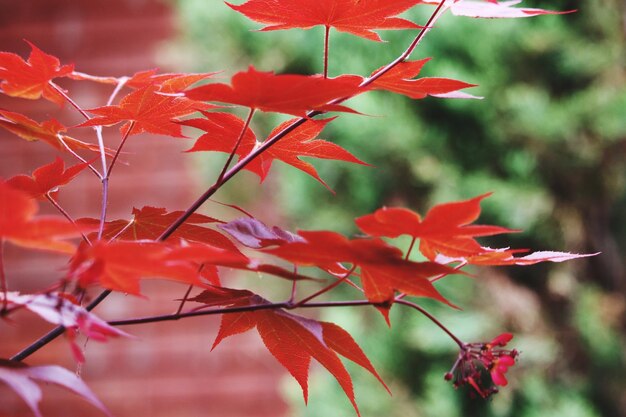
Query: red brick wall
[169, 371]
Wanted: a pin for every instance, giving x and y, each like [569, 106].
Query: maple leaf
[120, 265]
[32, 79]
[444, 230]
[46, 179]
[357, 17]
[148, 223]
[223, 130]
[20, 378]
[19, 225]
[255, 234]
[293, 340]
[60, 311]
[495, 9]
[284, 93]
[50, 131]
[492, 9]
[400, 80]
[170, 83]
[383, 268]
[148, 111]
[506, 256]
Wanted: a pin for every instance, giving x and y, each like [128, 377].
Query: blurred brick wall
[169, 372]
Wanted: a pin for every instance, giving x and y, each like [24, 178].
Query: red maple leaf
[46, 179]
[400, 80]
[293, 340]
[148, 223]
[50, 131]
[19, 225]
[170, 83]
[284, 93]
[358, 17]
[223, 130]
[444, 230]
[148, 111]
[383, 268]
[120, 265]
[32, 79]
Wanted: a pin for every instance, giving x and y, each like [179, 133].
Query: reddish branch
[223, 179]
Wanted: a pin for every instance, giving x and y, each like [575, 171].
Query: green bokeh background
[549, 140]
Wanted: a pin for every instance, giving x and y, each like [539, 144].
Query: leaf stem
[242, 163]
[433, 319]
[66, 215]
[327, 288]
[119, 148]
[3, 281]
[408, 251]
[77, 156]
[69, 100]
[326, 49]
[237, 143]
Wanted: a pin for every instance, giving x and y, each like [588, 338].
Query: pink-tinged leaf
[506, 256]
[359, 18]
[149, 110]
[285, 93]
[492, 10]
[255, 234]
[401, 80]
[50, 131]
[32, 79]
[46, 179]
[21, 379]
[61, 311]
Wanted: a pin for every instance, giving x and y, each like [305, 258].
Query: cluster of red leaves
[117, 255]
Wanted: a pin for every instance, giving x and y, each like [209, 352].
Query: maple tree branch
[184, 300]
[3, 281]
[408, 251]
[77, 156]
[242, 163]
[66, 215]
[237, 143]
[121, 82]
[119, 148]
[69, 100]
[326, 49]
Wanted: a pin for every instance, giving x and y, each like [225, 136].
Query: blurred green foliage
[549, 140]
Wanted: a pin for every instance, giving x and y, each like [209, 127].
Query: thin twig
[237, 143]
[327, 288]
[433, 319]
[3, 280]
[119, 148]
[66, 215]
[326, 49]
[242, 163]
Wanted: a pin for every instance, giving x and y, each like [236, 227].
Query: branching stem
[242, 163]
